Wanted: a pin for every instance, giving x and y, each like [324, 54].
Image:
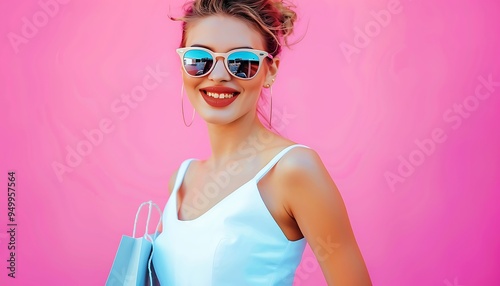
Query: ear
[272, 71]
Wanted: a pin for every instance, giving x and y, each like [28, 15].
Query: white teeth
[220, 95]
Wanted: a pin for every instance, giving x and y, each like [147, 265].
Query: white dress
[236, 242]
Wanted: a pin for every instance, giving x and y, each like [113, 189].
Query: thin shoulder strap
[180, 174]
[274, 160]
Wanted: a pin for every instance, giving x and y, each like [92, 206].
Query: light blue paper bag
[132, 265]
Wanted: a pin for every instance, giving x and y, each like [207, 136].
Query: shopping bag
[132, 265]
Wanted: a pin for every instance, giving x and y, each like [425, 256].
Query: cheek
[191, 84]
[252, 89]
[255, 85]
[191, 90]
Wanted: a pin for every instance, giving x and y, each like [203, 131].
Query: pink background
[363, 112]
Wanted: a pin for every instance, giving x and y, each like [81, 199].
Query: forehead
[223, 33]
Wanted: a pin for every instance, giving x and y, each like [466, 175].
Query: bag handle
[158, 224]
[150, 205]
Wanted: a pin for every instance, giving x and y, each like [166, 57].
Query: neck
[237, 140]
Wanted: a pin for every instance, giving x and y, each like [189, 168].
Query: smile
[219, 96]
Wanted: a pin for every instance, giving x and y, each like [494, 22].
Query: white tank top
[236, 242]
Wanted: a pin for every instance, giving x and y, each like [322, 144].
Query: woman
[243, 215]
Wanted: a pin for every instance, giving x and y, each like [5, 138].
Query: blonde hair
[272, 18]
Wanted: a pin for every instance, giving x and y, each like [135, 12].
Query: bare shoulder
[171, 182]
[305, 181]
[173, 177]
[312, 199]
[300, 155]
[302, 164]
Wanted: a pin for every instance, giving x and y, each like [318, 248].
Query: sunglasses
[241, 63]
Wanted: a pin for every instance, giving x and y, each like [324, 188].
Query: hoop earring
[271, 103]
[271, 109]
[271, 112]
[182, 108]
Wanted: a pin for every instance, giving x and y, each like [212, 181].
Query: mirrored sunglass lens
[197, 62]
[243, 64]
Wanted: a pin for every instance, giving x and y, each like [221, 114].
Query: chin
[218, 119]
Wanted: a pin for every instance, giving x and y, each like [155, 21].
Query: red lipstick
[219, 96]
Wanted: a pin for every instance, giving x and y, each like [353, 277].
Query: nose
[219, 73]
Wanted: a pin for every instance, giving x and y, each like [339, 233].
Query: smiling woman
[232, 219]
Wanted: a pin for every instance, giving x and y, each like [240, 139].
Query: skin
[298, 190]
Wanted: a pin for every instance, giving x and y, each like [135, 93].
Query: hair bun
[288, 17]
[273, 18]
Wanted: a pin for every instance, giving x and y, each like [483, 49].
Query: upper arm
[317, 206]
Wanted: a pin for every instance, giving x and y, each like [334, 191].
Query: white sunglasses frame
[259, 53]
